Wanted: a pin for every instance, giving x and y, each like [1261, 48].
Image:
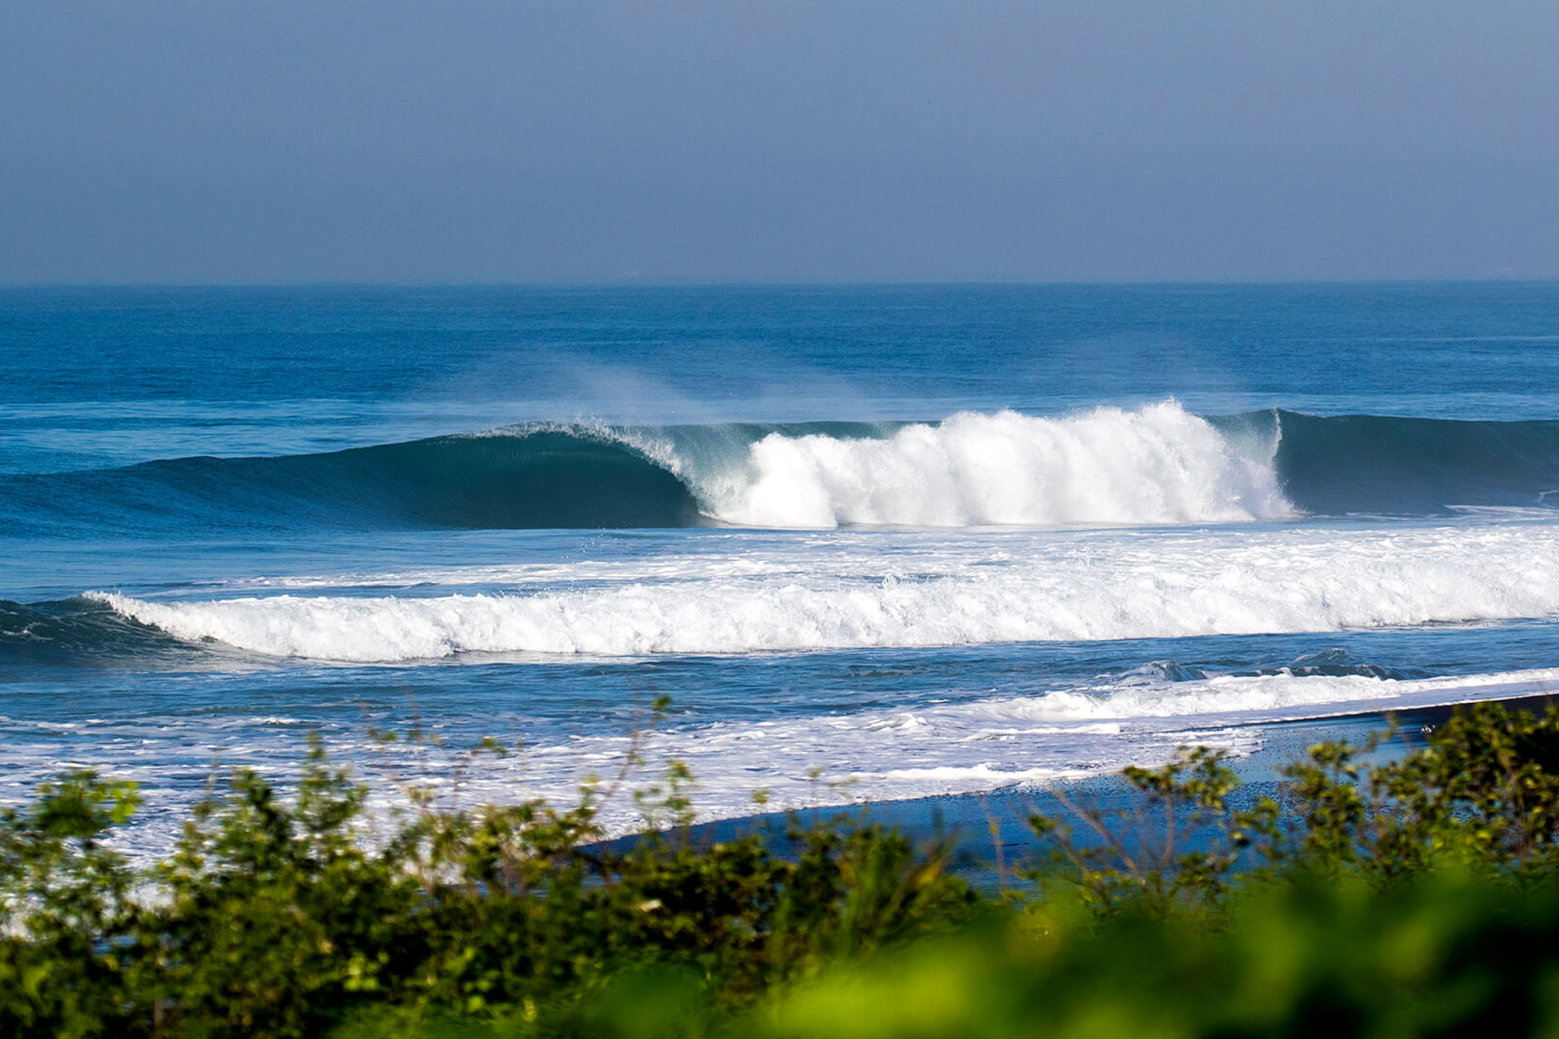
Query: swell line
[1153, 466]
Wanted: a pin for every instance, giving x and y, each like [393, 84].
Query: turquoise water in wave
[877, 542]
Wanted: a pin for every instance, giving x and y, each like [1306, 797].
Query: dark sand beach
[992, 827]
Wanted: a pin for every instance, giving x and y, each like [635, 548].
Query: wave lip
[1154, 466]
[1158, 465]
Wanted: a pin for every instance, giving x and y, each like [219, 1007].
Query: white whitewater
[1156, 465]
[879, 592]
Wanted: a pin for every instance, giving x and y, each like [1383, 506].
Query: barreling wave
[1158, 465]
[574, 476]
[1413, 466]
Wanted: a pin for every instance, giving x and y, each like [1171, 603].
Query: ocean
[875, 542]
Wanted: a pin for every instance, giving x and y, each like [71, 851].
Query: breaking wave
[1157, 465]
[1123, 586]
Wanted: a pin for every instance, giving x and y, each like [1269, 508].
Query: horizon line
[779, 283]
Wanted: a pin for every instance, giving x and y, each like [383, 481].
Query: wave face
[80, 631]
[1158, 465]
[1411, 466]
[1120, 586]
[536, 478]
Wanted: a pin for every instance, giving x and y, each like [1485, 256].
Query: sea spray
[1157, 465]
[1153, 466]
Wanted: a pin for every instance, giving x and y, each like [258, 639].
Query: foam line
[886, 755]
[1132, 585]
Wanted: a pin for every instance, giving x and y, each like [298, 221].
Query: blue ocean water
[876, 542]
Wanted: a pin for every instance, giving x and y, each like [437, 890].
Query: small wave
[1284, 696]
[80, 631]
[981, 744]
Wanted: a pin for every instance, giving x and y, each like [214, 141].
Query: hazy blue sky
[202, 140]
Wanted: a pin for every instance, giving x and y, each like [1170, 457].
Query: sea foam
[883, 755]
[1156, 465]
[1141, 584]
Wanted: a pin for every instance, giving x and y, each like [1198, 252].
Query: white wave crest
[982, 744]
[1137, 585]
[1157, 465]
[1281, 696]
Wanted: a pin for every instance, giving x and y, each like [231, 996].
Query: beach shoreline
[988, 833]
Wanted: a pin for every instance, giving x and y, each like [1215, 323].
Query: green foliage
[285, 916]
[1407, 896]
[64, 898]
[1481, 797]
[1174, 846]
[1439, 956]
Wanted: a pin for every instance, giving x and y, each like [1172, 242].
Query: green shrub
[1410, 896]
[277, 916]
[1480, 797]
[1442, 955]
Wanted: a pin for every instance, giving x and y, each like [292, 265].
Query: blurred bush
[1414, 896]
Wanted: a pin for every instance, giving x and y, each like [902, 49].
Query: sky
[286, 141]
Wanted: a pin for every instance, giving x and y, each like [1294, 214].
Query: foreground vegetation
[1411, 897]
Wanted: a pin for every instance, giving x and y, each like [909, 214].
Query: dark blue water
[876, 541]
